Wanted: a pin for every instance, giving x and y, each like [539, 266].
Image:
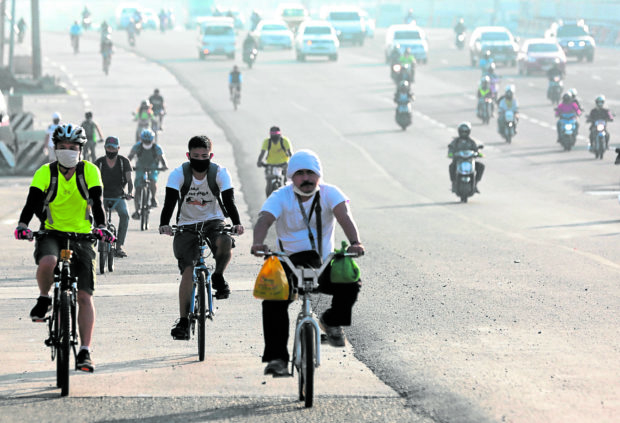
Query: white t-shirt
[291, 229]
[199, 203]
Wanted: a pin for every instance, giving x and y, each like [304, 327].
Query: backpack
[211, 180]
[99, 163]
[52, 190]
[281, 145]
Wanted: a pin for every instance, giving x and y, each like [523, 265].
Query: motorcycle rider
[460, 27]
[107, 48]
[395, 55]
[484, 93]
[407, 59]
[554, 72]
[485, 61]
[403, 93]
[460, 143]
[505, 103]
[249, 44]
[567, 106]
[276, 150]
[409, 18]
[159, 108]
[573, 95]
[599, 113]
[234, 80]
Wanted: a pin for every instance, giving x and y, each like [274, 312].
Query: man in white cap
[298, 210]
[49, 144]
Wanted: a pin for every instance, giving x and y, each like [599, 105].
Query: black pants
[275, 313]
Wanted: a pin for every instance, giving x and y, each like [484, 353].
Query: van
[216, 37]
[348, 23]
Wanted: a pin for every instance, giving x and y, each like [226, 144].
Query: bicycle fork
[306, 318]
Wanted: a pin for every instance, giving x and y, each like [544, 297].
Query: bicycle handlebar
[74, 236]
[228, 229]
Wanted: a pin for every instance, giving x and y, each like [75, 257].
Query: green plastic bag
[344, 269]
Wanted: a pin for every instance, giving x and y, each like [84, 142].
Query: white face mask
[68, 158]
[298, 191]
[147, 146]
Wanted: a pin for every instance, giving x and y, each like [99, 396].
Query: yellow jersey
[276, 154]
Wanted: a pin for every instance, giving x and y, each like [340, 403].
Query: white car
[273, 33]
[407, 36]
[348, 23]
[216, 36]
[316, 38]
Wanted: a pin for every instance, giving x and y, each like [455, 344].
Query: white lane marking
[596, 77]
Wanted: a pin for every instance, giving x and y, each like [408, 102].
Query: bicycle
[236, 96]
[144, 195]
[107, 249]
[62, 324]
[274, 174]
[307, 341]
[201, 304]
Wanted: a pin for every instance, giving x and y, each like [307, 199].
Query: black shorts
[83, 261]
[185, 244]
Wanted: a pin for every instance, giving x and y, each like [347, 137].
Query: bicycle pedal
[323, 338]
[48, 342]
[86, 369]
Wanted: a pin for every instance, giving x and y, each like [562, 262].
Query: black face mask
[199, 165]
[111, 154]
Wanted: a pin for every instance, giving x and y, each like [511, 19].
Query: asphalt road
[502, 309]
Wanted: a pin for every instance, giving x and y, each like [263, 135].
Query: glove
[23, 233]
[104, 235]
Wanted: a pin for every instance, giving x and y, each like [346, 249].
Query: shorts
[185, 244]
[83, 261]
[152, 176]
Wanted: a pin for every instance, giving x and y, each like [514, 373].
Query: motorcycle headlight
[396, 68]
[568, 126]
[600, 127]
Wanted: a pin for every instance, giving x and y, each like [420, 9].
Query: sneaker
[135, 215]
[277, 368]
[180, 331]
[119, 252]
[83, 362]
[154, 203]
[222, 290]
[42, 310]
[335, 334]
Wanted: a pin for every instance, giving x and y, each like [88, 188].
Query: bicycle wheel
[144, 210]
[306, 373]
[110, 258]
[102, 259]
[64, 347]
[201, 300]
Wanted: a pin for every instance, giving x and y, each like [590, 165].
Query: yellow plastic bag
[271, 283]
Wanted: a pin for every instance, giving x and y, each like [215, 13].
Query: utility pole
[37, 68]
[12, 38]
[2, 13]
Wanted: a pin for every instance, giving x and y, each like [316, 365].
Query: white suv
[407, 36]
[316, 38]
[348, 23]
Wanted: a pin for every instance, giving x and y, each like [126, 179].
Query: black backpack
[52, 190]
[211, 180]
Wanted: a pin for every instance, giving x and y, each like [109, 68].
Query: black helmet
[69, 132]
[403, 86]
[88, 115]
[566, 98]
[464, 129]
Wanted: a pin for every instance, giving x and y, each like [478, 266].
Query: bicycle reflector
[65, 255]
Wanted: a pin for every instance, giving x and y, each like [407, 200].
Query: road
[502, 309]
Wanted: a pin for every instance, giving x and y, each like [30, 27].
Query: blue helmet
[147, 135]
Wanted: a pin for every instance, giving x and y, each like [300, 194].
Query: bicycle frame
[202, 266]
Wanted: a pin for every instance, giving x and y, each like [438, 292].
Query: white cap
[304, 159]
[56, 115]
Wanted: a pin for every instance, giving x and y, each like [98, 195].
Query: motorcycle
[568, 130]
[598, 139]
[274, 176]
[464, 184]
[249, 57]
[460, 40]
[402, 73]
[87, 22]
[554, 92]
[485, 109]
[403, 111]
[107, 60]
[131, 38]
[510, 126]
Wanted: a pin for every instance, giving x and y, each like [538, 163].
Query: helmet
[407, 50]
[487, 54]
[70, 133]
[485, 81]
[147, 135]
[236, 68]
[144, 103]
[156, 91]
[491, 68]
[509, 89]
[573, 93]
[566, 97]
[600, 101]
[88, 115]
[464, 129]
[55, 116]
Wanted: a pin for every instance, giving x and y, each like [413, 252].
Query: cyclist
[288, 208]
[275, 150]
[67, 212]
[90, 127]
[199, 207]
[144, 116]
[234, 80]
[74, 33]
[115, 174]
[159, 109]
[49, 142]
[148, 156]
